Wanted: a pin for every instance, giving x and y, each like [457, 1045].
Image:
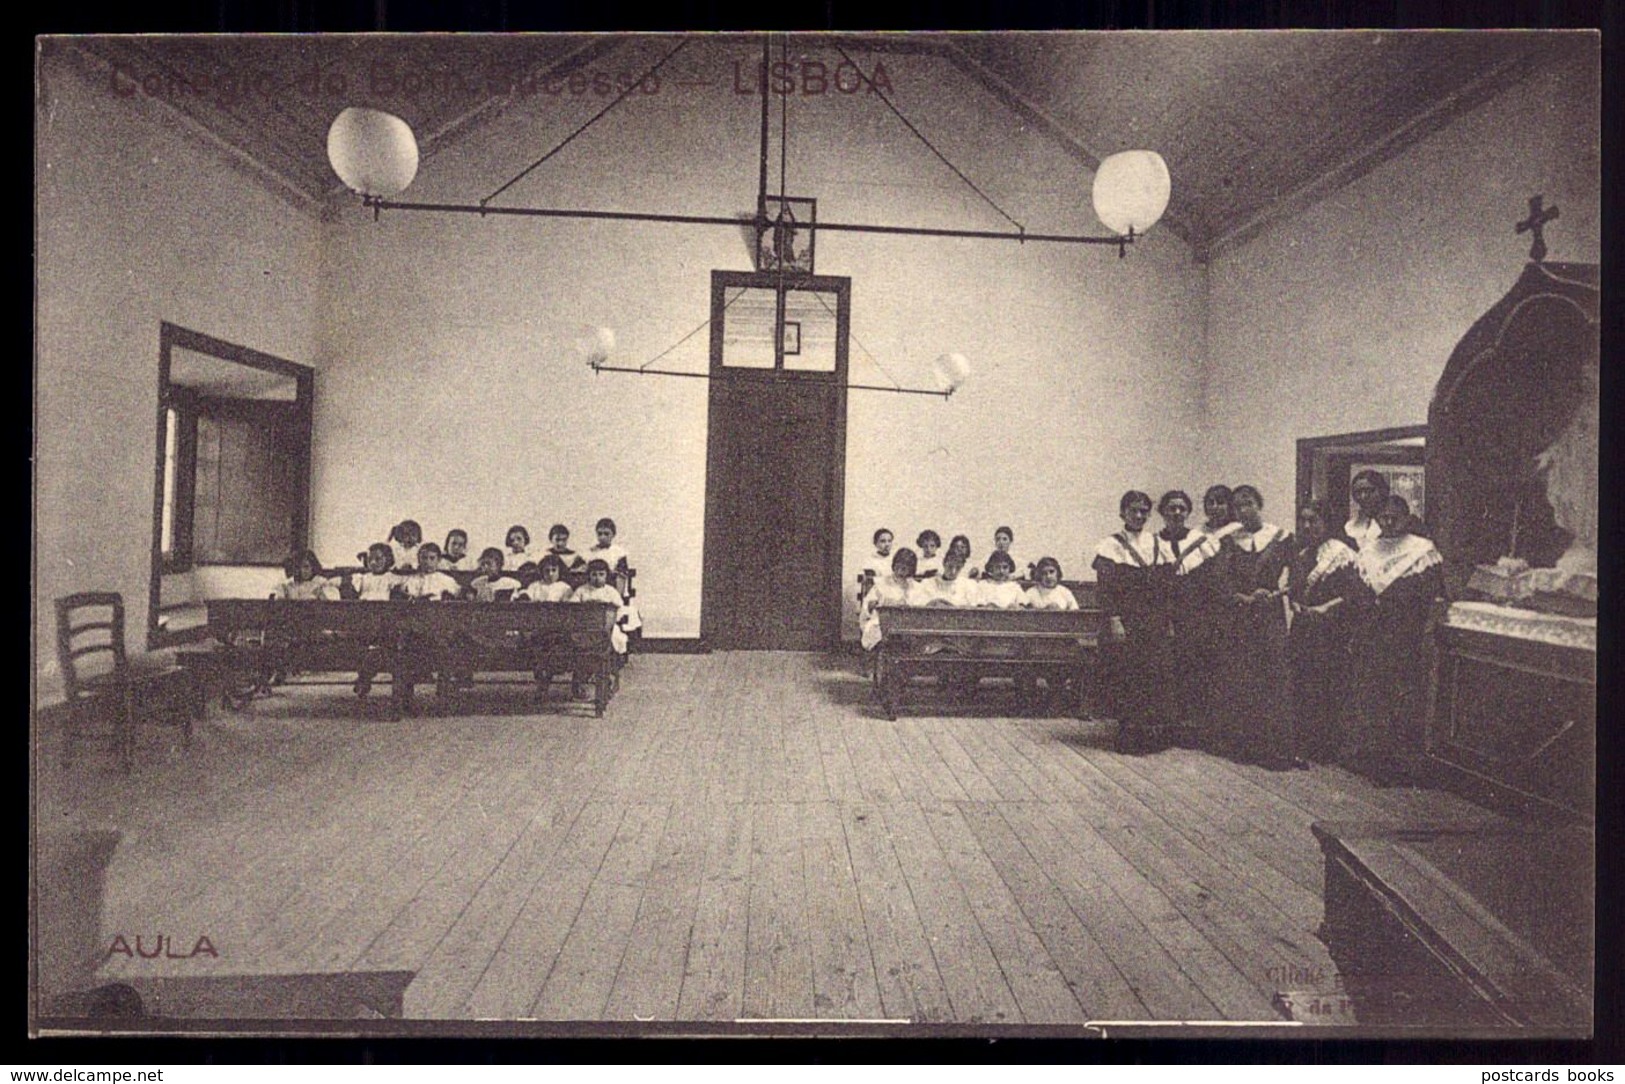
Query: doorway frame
[173, 336]
[1311, 447]
[711, 590]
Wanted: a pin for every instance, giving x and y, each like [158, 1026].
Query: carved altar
[1512, 486]
[1488, 925]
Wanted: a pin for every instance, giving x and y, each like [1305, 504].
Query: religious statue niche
[1512, 445]
[785, 234]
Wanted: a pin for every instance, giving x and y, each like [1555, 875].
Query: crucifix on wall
[785, 234]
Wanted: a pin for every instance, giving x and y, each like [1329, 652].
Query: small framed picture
[792, 337]
[785, 234]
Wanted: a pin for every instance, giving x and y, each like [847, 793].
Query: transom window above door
[788, 327]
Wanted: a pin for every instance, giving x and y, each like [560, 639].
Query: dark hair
[557, 528]
[383, 548]
[455, 531]
[1174, 495]
[1133, 496]
[605, 522]
[1219, 492]
[951, 557]
[428, 547]
[491, 551]
[597, 564]
[881, 531]
[956, 540]
[929, 536]
[997, 531]
[399, 532]
[1379, 481]
[999, 557]
[550, 561]
[1331, 530]
[906, 557]
[292, 564]
[1248, 491]
[1047, 562]
[520, 527]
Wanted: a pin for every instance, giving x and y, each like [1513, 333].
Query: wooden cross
[1538, 217]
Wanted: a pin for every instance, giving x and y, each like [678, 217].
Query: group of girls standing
[1264, 646]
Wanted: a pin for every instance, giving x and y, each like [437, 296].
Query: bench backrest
[1082, 625]
[234, 615]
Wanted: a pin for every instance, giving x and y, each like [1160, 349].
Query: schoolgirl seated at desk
[549, 585]
[455, 557]
[429, 583]
[377, 582]
[897, 589]
[518, 542]
[558, 537]
[929, 562]
[404, 539]
[492, 584]
[951, 588]
[614, 554]
[875, 565]
[305, 582]
[1047, 592]
[997, 589]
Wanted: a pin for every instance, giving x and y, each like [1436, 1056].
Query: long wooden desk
[414, 642]
[961, 646]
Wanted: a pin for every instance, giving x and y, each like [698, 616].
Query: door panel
[774, 485]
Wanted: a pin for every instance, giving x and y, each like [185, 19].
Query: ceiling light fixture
[376, 156]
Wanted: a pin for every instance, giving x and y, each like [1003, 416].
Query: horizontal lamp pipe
[719, 220]
[752, 374]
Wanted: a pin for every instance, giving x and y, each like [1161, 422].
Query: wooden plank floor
[742, 836]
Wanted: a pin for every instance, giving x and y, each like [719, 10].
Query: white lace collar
[1331, 555]
[1203, 542]
[1256, 541]
[1385, 561]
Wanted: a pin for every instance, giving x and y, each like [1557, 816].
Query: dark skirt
[1317, 649]
[1389, 671]
[1255, 716]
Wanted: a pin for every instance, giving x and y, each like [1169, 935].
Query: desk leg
[886, 682]
[600, 695]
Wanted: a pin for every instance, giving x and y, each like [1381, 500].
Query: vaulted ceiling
[1252, 125]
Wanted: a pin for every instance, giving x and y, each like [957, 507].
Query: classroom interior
[743, 840]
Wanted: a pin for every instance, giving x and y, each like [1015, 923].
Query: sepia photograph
[1141, 583]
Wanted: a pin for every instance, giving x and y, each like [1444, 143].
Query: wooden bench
[961, 646]
[623, 580]
[413, 642]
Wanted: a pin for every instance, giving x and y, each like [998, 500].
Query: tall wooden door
[775, 462]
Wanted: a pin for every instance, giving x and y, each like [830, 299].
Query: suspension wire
[596, 117]
[918, 134]
[761, 185]
[703, 325]
[854, 338]
[780, 231]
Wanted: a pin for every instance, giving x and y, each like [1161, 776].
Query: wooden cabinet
[1517, 719]
[1466, 927]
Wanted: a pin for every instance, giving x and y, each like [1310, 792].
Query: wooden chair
[98, 679]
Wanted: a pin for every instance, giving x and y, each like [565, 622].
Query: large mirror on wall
[232, 492]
